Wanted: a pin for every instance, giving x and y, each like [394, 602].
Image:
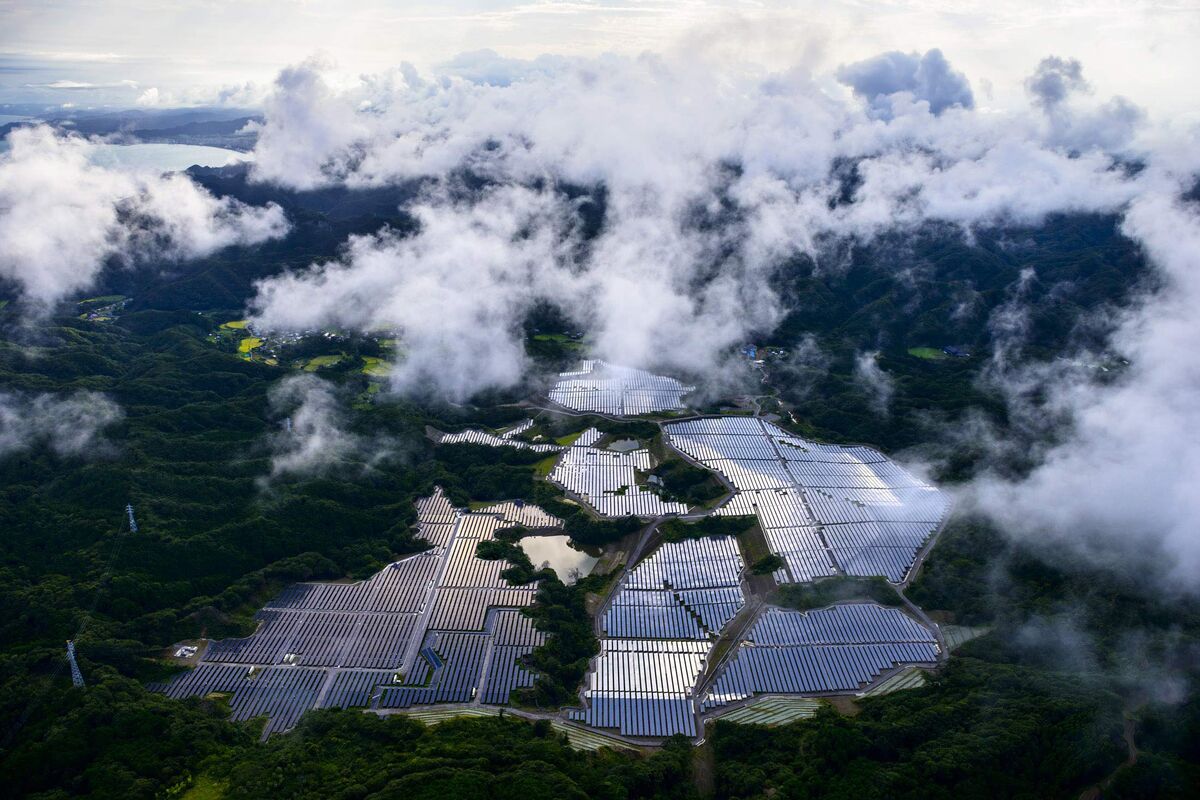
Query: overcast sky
[88, 53]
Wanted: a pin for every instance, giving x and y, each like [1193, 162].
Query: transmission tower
[76, 675]
[132, 521]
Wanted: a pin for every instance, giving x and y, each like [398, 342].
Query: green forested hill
[1007, 719]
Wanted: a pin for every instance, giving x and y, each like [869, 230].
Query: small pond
[563, 557]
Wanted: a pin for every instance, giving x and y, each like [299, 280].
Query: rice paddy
[435, 716]
[375, 367]
[320, 362]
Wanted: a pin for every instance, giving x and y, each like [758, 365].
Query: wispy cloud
[63, 217]
[710, 183]
[71, 86]
[314, 437]
[70, 425]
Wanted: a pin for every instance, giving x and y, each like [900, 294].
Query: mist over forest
[260, 358]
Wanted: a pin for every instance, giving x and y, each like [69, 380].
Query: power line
[76, 675]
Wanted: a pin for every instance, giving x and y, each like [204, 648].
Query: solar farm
[607, 479]
[441, 626]
[604, 388]
[507, 438]
[825, 509]
[682, 636]
[658, 631]
[836, 649]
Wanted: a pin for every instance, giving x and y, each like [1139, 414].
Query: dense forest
[1076, 664]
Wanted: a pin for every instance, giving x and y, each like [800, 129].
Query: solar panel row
[811, 669]
[658, 628]
[281, 694]
[803, 494]
[492, 440]
[641, 713]
[610, 389]
[607, 480]
[354, 688]
[505, 673]
[840, 648]
[468, 628]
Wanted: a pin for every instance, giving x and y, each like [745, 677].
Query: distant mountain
[219, 127]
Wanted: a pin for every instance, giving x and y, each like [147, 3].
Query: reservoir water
[564, 558]
[165, 157]
[158, 157]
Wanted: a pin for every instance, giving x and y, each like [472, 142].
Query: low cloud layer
[314, 437]
[70, 425]
[62, 217]
[708, 183]
[874, 382]
[1122, 487]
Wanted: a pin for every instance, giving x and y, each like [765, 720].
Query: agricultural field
[102, 309]
[321, 362]
[928, 353]
[375, 367]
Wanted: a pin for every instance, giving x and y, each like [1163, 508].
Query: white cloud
[236, 95]
[314, 438]
[1122, 486]
[71, 425]
[62, 217]
[878, 385]
[456, 290]
[69, 85]
[896, 77]
[1054, 80]
[1110, 125]
[710, 181]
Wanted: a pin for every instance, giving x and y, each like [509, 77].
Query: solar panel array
[439, 626]
[607, 479]
[505, 439]
[837, 649]
[517, 429]
[658, 630]
[823, 508]
[622, 391]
